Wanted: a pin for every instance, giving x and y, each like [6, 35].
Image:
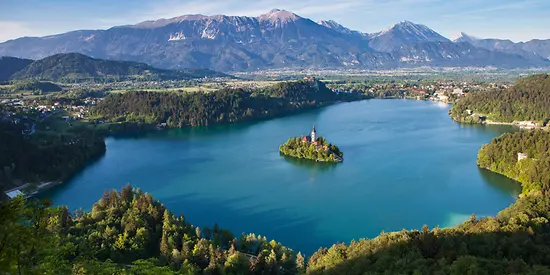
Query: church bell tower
[313, 134]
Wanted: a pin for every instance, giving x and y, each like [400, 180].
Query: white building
[14, 193]
[521, 156]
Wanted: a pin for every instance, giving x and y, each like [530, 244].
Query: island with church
[312, 147]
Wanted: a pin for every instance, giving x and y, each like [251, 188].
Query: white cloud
[12, 29]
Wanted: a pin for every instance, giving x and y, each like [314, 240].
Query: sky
[518, 20]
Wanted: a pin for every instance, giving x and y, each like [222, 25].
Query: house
[14, 193]
[309, 78]
[442, 97]
[527, 124]
[419, 92]
[458, 91]
[521, 156]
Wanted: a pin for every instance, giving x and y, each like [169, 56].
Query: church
[312, 137]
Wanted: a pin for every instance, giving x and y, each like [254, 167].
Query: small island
[311, 147]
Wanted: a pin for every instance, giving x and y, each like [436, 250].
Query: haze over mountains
[279, 39]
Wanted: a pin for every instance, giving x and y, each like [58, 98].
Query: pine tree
[300, 263]
[198, 232]
[126, 193]
[164, 248]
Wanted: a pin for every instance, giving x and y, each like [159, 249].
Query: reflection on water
[493, 129]
[501, 183]
[310, 164]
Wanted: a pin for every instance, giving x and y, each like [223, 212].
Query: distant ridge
[11, 65]
[279, 39]
[531, 49]
[76, 66]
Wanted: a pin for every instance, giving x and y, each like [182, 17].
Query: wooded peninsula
[527, 100]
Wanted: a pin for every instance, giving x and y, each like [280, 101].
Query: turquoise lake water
[406, 164]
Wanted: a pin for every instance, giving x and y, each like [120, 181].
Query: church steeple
[313, 134]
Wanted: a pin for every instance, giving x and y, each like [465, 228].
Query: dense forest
[527, 99]
[38, 86]
[533, 171]
[129, 232]
[321, 150]
[73, 67]
[224, 106]
[56, 157]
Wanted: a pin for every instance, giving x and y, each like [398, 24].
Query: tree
[164, 248]
[300, 263]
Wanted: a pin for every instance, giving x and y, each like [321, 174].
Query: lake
[406, 164]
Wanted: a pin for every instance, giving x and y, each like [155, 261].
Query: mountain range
[533, 48]
[75, 67]
[279, 39]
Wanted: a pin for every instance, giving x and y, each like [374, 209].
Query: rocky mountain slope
[531, 49]
[277, 39]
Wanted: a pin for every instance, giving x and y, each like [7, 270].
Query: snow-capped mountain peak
[464, 37]
[278, 15]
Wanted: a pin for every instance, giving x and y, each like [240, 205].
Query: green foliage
[528, 99]
[28, 243]
[127, 232]
[44, 87]
[72, 67]
[224, 106]
[304, 149]
[54, 158]
[11, 65]
[501, 156]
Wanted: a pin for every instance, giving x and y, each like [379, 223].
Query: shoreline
[489, 122]
[36, 189]
[145, 128]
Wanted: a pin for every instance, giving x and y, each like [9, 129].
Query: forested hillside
[72, 67]
[55, 158]
[224, 106]
[11, 65]
[528, 99]
[516, 241]
[129, 233]
[501, 156]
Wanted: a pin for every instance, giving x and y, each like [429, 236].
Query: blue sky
[512, 19]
